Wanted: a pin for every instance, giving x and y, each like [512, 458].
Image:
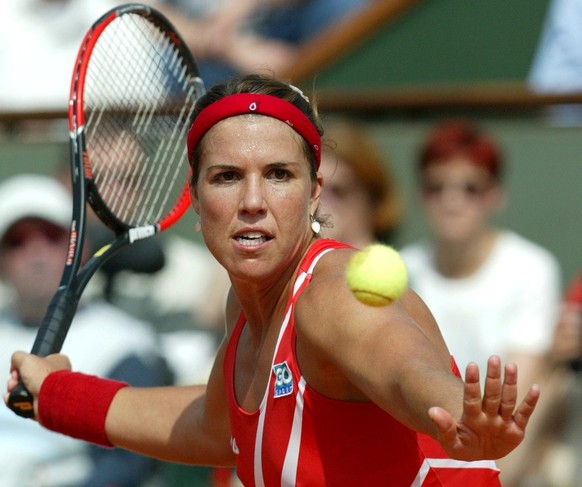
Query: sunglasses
[24, 231]
[469, 189]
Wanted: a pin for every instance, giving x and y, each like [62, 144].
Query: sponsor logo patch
[283, 380]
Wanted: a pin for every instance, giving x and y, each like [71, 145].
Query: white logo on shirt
[234, 446]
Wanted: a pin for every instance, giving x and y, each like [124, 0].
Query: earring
[315, 225]
[197, 227]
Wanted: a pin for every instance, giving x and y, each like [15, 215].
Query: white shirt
[99, 338]
[509, 305]
[39, 41]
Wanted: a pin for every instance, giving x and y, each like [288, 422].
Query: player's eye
[279, 174]
[225, 177]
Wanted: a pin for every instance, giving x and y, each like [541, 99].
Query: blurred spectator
[557, 63]
[39, 40]
[173, 283]
[226, 37]
[185, 301]
[359, 193]
[35, 214]
[567, 343]
[560, 465]
[243, 36]
[491, 290]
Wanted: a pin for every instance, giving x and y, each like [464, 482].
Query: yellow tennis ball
[377, 275]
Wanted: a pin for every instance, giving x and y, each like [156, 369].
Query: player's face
[254, 195]
[459, 199]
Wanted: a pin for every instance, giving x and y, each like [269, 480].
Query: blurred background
[397, 66]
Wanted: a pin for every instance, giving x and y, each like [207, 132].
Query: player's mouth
[252, 239]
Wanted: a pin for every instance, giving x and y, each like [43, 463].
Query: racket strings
[139, 99]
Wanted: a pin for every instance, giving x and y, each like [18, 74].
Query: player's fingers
[472, 391]
[509, 392]
[17, 359]
[10, 385]
[33, 369]
[445, 424]
[493, 387]
[59, 361]
[527, 407]
[13, 380]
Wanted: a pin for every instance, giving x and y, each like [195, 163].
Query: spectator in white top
[490, 289]
[35, 214]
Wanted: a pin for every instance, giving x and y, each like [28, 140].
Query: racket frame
[56, 323]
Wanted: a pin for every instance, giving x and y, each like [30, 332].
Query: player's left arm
[384, 354]
[395, 356]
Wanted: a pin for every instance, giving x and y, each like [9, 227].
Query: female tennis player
[310, 387]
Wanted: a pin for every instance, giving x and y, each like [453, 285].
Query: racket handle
[21, 401]
[56, 323]
[49, 339]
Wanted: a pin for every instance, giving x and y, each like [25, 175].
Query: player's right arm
[180, 424]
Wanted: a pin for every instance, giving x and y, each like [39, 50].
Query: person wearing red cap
[310, 386]
[491, 289]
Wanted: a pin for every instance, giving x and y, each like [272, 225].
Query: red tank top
[298, 437]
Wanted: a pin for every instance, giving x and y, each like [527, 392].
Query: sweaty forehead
[259, 127]
[250, 132]
[247, 119]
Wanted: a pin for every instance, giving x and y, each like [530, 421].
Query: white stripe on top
[292, 455]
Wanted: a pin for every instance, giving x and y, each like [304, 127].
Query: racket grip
[21, 401]
[49, 339]
[57, 321]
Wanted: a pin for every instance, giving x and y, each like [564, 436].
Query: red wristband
[76, 405]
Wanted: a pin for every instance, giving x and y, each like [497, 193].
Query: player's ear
[316, 189]
[194, 198]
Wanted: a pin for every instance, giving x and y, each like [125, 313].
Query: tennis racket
[133, 91]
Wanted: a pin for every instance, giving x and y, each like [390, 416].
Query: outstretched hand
[491, 426]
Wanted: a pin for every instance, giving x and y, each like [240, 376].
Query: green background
[444, 41]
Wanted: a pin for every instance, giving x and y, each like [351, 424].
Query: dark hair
[263, 84]
[460, 137]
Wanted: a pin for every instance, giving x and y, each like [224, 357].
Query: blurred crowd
[156, 316]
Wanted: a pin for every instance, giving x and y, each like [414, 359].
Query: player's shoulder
[329, 264]
[326, 284]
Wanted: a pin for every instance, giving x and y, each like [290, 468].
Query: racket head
[133, 92]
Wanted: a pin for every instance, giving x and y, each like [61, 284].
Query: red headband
[261, 104]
